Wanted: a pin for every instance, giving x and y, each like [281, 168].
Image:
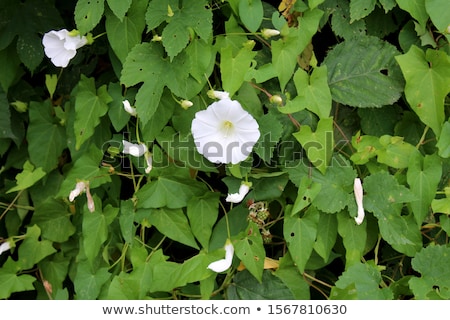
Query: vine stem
[422, 138]
[11, 204]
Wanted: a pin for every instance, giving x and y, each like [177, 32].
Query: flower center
[227, 128]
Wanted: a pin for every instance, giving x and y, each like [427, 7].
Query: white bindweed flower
[238, 197]
[358, 191]
[90, 200]
[128, 108]
[79, 188]
[268, 33]
[225, 132]
[149, 160]
[61, 46]
[213, 94]
[223, 264]
[134, 149]
[5, 246]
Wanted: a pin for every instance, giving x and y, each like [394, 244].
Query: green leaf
[292, 278]
[423, 176]
[439, 15]
[432, 262]
[340, 21]
[88, 282]
[167, 191]
[29, 50]
[251, 13]
[202, 212]
[246, 287]
[146, 63]
[250, 250]
[362, 72]
[32, 250]
[427, 84]
[28, 177]
[125, 31]
[120, 8]
[90, 106]
[361, 9]
[88, 14]
[360, 282]
[95, 233]
[46, 140]
[443, 143]
[307, 192]
[285, 51]
[416, 8]
[354, 238]
[5, 119]
[327, 230]
[10, 67]
[11, 282]
[233, 69]
[173, 223]
[319, 144]
[126, 221]
[388, 5]
[271, 131]
[385, 198]
[300, 234]
[367, 147]
[54, 269]
[379, 121]
[395, 152]
[53, 218]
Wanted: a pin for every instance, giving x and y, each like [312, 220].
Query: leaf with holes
[88, 14]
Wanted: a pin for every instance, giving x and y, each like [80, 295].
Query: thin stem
[11, 204]
[422, 138]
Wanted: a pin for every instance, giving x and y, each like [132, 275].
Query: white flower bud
[358, 191]
[128, 108]
[238, 197]
[79, 188]
[213, 94]
[268, 33]
[136, 150]
[186, 104]
[223, 264]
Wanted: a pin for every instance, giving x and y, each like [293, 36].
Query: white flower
[268, 33]
[5, 246]
[128, 108]
[223, 264]
[358, 191]
[61, 46]
[136, 150]
[238, 197]
[213, 94]
[225, 132]
[79, 188]
[149, 160]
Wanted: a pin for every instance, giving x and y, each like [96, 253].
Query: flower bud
[128, 108]
[186, 104]
[268, 33]
[276, 99]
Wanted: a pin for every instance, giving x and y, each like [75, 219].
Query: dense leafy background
[365, 93]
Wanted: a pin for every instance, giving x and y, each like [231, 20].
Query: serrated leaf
[250, 250]
[388, 5]
[32, 250]
[354, 238]
[46, 140]
[360, 282]
[362, 72]
[120, 8]
[313, 92]
[125, 32]
[385, 198]
[251, 13]
[234, 68]
[88, 14]
[423, 176]
[340, 22]
[294, 40]
[28, 177]
[271, 131]
[300, 234]
[88, 282]
[90, 106]
[361, 9]
[29, 50]
[53, 218]
[202, 212]
[432, 262]
[173, 223]
[246, 287]
[319, 144]
[427, 84]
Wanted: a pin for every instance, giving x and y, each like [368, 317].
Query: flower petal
[79, 188]
[5, 246]
[358, 192]
[223, 264]
[238, 197]
[134, 149]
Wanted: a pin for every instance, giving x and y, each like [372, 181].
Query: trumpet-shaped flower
[136, 150]
[80, 187]
[61, 46]
[5, 246]
[128, 108]
[358, 191]
[225, 132]
[238, 197]
[223, 264]
[149, 160]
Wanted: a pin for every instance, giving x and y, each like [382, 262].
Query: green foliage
[347, 89]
